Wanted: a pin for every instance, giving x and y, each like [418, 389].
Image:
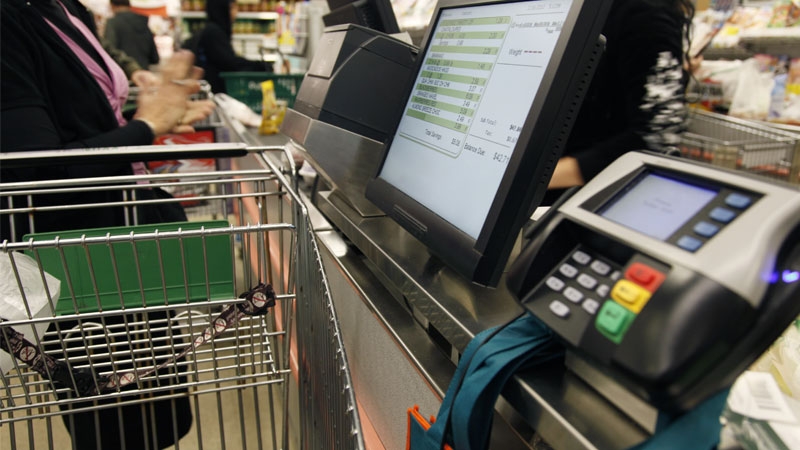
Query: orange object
[159, 11]
[415, 415]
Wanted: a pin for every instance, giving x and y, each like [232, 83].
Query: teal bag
[464, 420]
[489, 360]
[697, 429]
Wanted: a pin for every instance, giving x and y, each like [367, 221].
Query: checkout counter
[405, 320]
[405, 317]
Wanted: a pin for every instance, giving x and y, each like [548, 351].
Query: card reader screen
[657, 205]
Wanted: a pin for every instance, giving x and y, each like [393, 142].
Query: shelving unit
[255, 33]
[773, 41]
[264, 15]
[779, 41]
[759, 40]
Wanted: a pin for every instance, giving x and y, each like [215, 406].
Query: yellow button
[630, 295]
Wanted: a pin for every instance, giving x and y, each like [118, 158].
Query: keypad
[559, 309]
[708, 224]
[577, 281]
[590, 306]
[722, 215]
[689, 243]
[609, 295]
[555, 284]
[581, 258]
[645, 276]
[706, 229]
[600, 267]
[613, 321]
[738, 201]
[630, 295]
[573, 295]
[587, 281]
[568, 271]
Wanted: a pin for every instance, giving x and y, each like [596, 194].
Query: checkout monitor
[490, 106]
[375, 14]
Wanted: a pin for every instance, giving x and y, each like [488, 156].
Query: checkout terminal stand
[665, 279]
[653, 324]
[348, 104]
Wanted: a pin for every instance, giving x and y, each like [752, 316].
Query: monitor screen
[375, 14]
[476, 87]
[491, 104]
[657, 205]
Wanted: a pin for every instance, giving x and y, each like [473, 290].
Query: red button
[645, 276]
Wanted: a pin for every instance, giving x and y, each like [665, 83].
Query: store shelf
[729, 53]
[777, 34]
[265, 15]
[254, 36]
[773, 41]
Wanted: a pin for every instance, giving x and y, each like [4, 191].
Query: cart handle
[134, 153]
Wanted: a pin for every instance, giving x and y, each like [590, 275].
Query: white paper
[757, 395]
[788, 434]
[12, 305]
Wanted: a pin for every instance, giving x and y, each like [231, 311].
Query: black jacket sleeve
[33, 97]
[638, 90]
[29, 128]
[153, 57]
[111, 35]
[220, 54]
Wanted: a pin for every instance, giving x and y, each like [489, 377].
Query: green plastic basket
[151, 256]
[246, 87]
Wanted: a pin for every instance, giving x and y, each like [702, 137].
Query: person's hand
[195, 110]
[164, 103]
[566, 174]
[145, 79]
[693, 65]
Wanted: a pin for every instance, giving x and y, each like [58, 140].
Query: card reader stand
[657, 318]
[350, 100]
[644, 414]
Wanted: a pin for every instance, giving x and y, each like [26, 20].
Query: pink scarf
[114, 86]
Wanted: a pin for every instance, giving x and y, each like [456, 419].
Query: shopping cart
[742, 145]
[218, 332]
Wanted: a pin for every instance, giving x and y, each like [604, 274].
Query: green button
[613, 321]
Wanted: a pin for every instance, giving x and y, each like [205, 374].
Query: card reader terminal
[669, 276]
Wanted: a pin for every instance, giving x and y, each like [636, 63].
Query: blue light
[773, 278]
[790, 276]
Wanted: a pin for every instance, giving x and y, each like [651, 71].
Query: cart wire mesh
[165, 335]
[738, 144]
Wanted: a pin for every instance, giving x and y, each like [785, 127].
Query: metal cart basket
[742, 145]
[212, 333]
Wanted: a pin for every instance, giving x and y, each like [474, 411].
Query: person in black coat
[213, 49]
[129, 32]
[51, 100]
[636, 99]
[61, 90]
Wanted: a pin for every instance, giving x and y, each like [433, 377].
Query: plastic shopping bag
[35, 286]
